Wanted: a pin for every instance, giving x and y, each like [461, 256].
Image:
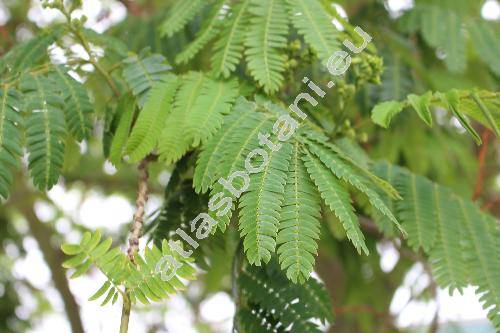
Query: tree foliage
[213, 90]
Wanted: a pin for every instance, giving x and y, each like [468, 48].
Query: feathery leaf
[77, 104]
[264, 43]
[173, 142]
[206, 34]
[45, 130]
[298, 222]
[151, 119]
[260, 206]
[142, 73]
[207, 165]
[10, 137]
[337, 198]
[312, 21]
[180, 14]
[228, 49]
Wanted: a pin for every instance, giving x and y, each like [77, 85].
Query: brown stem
[435, 322]
[481, 158]
[125, 313]
[140, 202]
[135, 234]
[5, 35]
[492, 203]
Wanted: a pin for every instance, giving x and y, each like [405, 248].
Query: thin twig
[490, 204]
[92, 58]
[125, 318]
[135, 234]
[5, 34]
[235, 272]
[142, 197]
[95, 62]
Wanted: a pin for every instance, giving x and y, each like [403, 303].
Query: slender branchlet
[142, 197]
[135, 233]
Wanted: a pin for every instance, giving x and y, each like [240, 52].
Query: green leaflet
[421, 105]
[77, 105]
[260, 206]
[486, 113]
[349, 149]
[281, 207]
[446, 258]
[273, 301]
[396, 81]
[207, 33]
[10, 137]
[179, 16]
[387, 172]
[124, 113]
[143, 280]
[45, 130]
[480, 105]
[151, 119]
[239, 145]
[486, 43]
[363, 169]
[141, 73]
[383, 113]
[25, 55]
[207, 165]
[228, 49]
[346, 172]
[264, 43]
[338, 199]
[431, 27]
[453, 43]
[244, 140]
[471, 108]
[459, 239]
[179, 113]
[416, 213]
[312, 21]
[298, 222]
[227, 151]
[263, 46]
[100, 291]
[443, 28]
[214, 102]
[173, 142]
[482, 243]
[452, 102]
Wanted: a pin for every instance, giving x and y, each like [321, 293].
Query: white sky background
[112, 212]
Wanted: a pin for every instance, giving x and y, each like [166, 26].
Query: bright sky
[112, 212]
